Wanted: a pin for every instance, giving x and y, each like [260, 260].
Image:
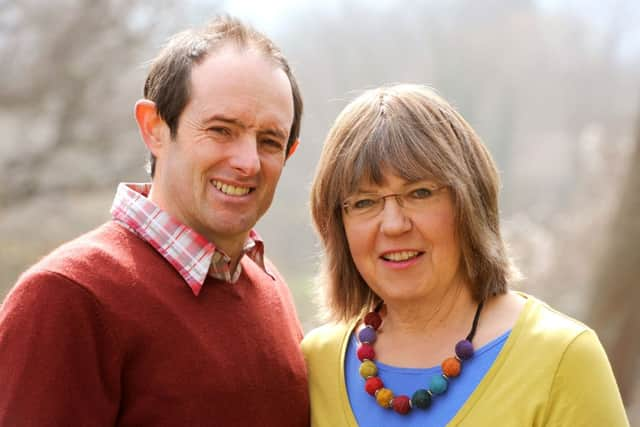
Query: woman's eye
[421, 193]
[363, 203]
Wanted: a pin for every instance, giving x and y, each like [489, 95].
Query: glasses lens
[364, 206]
[417, 199]
[370, 205]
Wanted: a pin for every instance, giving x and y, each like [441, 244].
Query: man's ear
[293, 148]
[153, 129]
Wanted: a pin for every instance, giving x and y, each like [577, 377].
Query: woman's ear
[153, 129]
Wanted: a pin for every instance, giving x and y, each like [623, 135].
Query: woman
[416, 280]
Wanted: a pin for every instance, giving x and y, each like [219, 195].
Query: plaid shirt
[192, 255]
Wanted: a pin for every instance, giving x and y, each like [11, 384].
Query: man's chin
[230, 226]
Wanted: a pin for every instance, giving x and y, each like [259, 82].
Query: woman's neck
[422, 333]
[441, 309]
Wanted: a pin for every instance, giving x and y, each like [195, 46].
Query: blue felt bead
[437, 384]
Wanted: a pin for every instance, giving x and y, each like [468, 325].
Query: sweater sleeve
[57, 359]
[584, 390]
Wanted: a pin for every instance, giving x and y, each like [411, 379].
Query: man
[169, 314]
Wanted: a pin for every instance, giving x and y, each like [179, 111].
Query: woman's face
[403, 252]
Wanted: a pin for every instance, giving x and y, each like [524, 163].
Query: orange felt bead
[451, 367]
[384, 397]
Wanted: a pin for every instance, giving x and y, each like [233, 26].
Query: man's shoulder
[108, 243]
[109, 249]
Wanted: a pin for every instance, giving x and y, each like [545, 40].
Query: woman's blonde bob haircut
[412, 132]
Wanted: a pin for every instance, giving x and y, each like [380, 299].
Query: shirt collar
[190, 253]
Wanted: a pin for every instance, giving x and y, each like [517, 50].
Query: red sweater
[104, 332]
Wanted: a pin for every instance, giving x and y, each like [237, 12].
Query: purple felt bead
[464, 350]
[367, 334]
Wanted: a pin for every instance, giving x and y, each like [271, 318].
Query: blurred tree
[71, 72]
[616, 285]
[68, 66]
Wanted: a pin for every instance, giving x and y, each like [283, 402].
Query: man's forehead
[242, 85]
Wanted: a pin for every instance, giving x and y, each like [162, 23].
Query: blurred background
[553, 87]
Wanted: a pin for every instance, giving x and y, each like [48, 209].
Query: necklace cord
[474, 326]
[472, 332]
[379, 306]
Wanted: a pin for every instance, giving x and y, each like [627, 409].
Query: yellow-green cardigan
[552, 371]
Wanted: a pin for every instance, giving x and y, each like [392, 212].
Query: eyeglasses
[366, 206]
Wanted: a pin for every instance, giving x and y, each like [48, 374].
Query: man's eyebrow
[226, 119]
[273, 131]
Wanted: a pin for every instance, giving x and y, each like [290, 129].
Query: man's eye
[220, 130]
[364, 203]
[421, 193]
[273, 143]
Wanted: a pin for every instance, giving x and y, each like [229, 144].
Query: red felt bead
[372, 385]
[401, 404]
[422, 398]
[373, 319]
[366, 351]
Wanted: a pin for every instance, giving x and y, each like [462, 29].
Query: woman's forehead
[388, 176]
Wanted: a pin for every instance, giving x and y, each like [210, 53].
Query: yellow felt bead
[368, 369]
[383, 397]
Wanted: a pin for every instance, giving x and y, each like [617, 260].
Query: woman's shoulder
[540, 317]
[578, 361]
[549, 331]
[326, 336]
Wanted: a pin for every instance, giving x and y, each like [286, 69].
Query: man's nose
[244, 156]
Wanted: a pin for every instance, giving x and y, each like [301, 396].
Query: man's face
[220, 173]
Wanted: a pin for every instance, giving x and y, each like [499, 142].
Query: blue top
[407, 380]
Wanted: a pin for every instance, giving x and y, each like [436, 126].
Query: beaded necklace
[421, 398]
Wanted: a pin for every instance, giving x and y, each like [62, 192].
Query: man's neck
[232, 246]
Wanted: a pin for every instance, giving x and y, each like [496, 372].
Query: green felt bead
[421, 399]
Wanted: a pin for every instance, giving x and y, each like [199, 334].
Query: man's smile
[231, 190]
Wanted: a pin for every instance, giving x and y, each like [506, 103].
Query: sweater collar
[190, 253]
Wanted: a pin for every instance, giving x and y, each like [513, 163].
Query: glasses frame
[347, 203]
